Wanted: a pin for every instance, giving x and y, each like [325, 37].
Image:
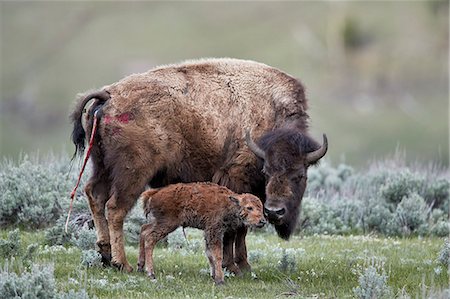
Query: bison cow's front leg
[228, 253]
[240, 254]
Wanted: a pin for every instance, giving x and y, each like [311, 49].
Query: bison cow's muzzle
[274, 214]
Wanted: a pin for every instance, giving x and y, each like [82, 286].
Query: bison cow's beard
[287, 227]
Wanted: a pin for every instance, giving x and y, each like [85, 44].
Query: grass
[321, 266]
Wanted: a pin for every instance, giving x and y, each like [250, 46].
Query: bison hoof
[140, 268]
[151, 275]
[219, 282]
[106, 259]
[244, 266]
[123, 267]
[234, 269]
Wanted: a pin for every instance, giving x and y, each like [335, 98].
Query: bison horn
[253, 146]
[314, 156]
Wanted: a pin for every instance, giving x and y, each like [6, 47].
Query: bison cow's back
[192, 112]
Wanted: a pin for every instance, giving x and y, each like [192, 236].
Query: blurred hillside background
[376, 73]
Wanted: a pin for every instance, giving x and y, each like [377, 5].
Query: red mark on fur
[107, 119]
[124, 117]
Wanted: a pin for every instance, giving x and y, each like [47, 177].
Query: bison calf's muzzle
[210, 207]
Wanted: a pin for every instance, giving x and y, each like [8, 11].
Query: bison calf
[210, 207]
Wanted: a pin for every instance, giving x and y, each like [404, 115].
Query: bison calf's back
[205, 206]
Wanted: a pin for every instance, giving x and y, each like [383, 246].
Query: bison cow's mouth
[274, 216]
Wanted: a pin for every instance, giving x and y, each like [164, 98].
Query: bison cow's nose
[274, 213]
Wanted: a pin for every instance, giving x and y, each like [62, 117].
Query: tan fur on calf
[205, 206]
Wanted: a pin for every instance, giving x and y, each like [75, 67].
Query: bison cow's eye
[297, 178]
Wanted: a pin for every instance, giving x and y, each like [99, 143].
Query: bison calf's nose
[261, 223]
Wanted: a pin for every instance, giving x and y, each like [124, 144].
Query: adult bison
[187, 123]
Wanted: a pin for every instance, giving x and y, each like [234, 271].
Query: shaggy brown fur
[210, 207]
[183, 123]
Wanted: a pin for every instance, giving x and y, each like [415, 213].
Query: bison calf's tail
[78, 132]
[146, 197]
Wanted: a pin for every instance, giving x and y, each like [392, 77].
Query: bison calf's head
[287, 154]
[251, 209]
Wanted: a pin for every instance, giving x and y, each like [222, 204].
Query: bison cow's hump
[238, 75]
[255, 94]
[214, 65]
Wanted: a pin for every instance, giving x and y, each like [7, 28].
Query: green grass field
[313, 267]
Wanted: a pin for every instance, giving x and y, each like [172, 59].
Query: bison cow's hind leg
[118, 206]
[97, 192]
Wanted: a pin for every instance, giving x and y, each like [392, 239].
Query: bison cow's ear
[234, 200]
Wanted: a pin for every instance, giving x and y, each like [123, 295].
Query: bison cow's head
[287, 154]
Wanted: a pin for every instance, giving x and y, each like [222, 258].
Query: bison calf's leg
[144, 232]
[241, 250]
[151, 234]
[214, 245]
[211, 262]
[97, 193]
[149, 244]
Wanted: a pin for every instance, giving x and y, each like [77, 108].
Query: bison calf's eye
[249, 208]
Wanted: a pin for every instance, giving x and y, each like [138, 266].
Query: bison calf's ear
[234, 200]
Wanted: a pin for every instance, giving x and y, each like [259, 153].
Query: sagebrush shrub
[377, 216]
[71, 294]
[390, 198]
[91, 258]
[402, 184]
[39, 282]
[325, 178]
[176, 240]
[84, 239]
[287, 258]
[133, 223]
[35, 194]
[338, 200]
[56, 235]
[372, 285]
[339, 216]
[11, 245]
[438, 194]
[287, 262]
[256, 255]
[444, 253]
[411, 213]
[30, 253]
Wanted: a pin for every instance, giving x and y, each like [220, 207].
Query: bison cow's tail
[78, 133]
